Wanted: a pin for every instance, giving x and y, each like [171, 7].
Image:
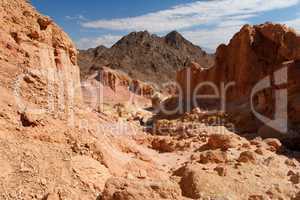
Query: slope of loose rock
[219, 164]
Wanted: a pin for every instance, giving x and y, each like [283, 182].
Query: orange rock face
[41, 51]
[254, 53]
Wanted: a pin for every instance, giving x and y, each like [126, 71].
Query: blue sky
[206, 23]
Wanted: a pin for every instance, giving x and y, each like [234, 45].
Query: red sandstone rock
[122, 189]
[115, 78]
[220, 141]
[254, 53]
[275, 143]
[222, 171]
[247, 157]
[213, 157]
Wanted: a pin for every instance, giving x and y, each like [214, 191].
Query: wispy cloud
[205, 23]
[211, 38]
[106, 40]
[192, 14]
[76, 17]
[295, 23]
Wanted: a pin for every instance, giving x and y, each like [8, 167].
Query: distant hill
[145, 57]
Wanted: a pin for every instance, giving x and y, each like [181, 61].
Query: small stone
[290, 162]
[205, 168]
[222, 171]
[34, 35]
[291, 173]
[256, 141]
[268, 161]
[256, 197]
[246, 146]
[25, 169]
[259, 151]
[51, 196]
[247, 156]
[43, 181]
[275, 143]
[44, 23]
[213, 157]
[296, 197]
[220, 141]
[30, 120]
[194, 157]
[130, 176]
[163, 145]
[142, 174]
[295, 179]
[272, 149]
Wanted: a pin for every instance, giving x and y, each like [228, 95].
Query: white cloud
[76, 17]
[223, 17]
[106, 40]
[210, 39]
[295, 23]
[192, 14]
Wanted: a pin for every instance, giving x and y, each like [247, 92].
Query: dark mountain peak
[100, 47]
[134, 38]
[174, 35]
[175, 39]
[99, 50]
[140, 34]
[96, 49]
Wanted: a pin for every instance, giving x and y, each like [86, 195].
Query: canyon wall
[253, 54]
[38, 60]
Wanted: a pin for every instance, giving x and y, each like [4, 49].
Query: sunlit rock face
[34, 48]
[268, 51]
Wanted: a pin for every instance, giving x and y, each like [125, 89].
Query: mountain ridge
[145, 56]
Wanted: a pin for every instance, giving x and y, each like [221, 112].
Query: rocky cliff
[145, 57]
[116, 78]
[253, 54]
[35, 53]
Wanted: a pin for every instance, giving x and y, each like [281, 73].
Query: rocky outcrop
[115, 78]
[36, 56]
[254, 53]
[145, 57]
[112, 78]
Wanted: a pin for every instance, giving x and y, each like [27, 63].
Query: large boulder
[90, 172]
[126, 189]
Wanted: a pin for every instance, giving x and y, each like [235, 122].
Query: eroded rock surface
[253, 54]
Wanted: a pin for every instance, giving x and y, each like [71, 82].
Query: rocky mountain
[145, 57]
